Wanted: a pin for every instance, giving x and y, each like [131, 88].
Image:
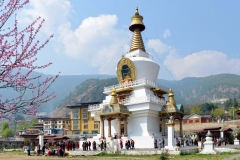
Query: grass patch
[105, 154]
[192, 153]
[167, 156]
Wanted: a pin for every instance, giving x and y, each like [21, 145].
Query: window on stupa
[125, 71]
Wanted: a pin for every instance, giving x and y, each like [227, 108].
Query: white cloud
[95, 40]
[166, 33]
[55, 12]
[158, 46]
[200, 64]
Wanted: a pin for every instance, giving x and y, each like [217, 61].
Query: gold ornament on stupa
[137, 27]
[114, 99]
[171, 97]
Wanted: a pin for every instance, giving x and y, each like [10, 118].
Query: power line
[60, 109]
[167, 69]
[115, 54]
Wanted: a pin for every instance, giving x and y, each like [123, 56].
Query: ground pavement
[223, 148]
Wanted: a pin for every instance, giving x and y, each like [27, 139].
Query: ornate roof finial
[114, 99]
[171, 97]
[137, 27]
[136, 13]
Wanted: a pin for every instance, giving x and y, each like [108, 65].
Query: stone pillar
[109, 128]
[180, 130]
[163, 126]
[221, 133]
[125, 128]
[171, 139]
[119, 128]
[41, 142]
[102, 128]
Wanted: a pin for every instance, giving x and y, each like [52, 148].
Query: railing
[93, 107]
[135, 83]
[148, 98]
[133, 100]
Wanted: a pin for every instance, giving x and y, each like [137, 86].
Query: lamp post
[233, 120]
[16, 121]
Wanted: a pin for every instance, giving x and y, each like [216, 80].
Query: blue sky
[189, 38]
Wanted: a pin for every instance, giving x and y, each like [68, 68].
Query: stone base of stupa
[236, 142]
[208, 148]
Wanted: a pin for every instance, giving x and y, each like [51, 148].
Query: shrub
[164, 155]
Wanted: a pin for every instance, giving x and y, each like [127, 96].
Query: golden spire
[171, 97]
[114, 99]
[137, 27]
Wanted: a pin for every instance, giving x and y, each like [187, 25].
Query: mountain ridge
[71, 89]
[188, 91]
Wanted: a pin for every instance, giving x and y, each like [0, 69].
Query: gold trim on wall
[130, 64]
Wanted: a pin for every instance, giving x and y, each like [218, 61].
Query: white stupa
[131, 109]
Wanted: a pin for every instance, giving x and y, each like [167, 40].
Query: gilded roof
[136, 27]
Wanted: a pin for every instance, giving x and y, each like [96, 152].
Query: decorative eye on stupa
[126, 70]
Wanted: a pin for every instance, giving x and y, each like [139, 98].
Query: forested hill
[187, 91]
[88, 91]
[62, 87]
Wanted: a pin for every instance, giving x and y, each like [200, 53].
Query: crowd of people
[187, 142]
[160, 142]
[129, 144]
[62, 147]
[220, 141]
[86, 145]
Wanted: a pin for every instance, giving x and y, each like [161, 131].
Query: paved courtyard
[186, 149]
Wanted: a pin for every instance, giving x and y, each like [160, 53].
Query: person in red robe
[86, 145]
[70, 146]
[121, 144]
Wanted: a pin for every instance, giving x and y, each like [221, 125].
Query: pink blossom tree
[18, 52]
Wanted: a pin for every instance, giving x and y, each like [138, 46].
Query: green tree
[22, 125]
[208, 107]
[218, 112]
[34, 121]
[195, 109]
[238, 135]
[228, 104]
[235, 103]
[232, 112]
[4, 126]
[7, 133]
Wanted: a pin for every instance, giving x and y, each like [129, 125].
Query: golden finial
[171, 97]
[137, 22]
[136, 13]
[137, 27]
[114, 99]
